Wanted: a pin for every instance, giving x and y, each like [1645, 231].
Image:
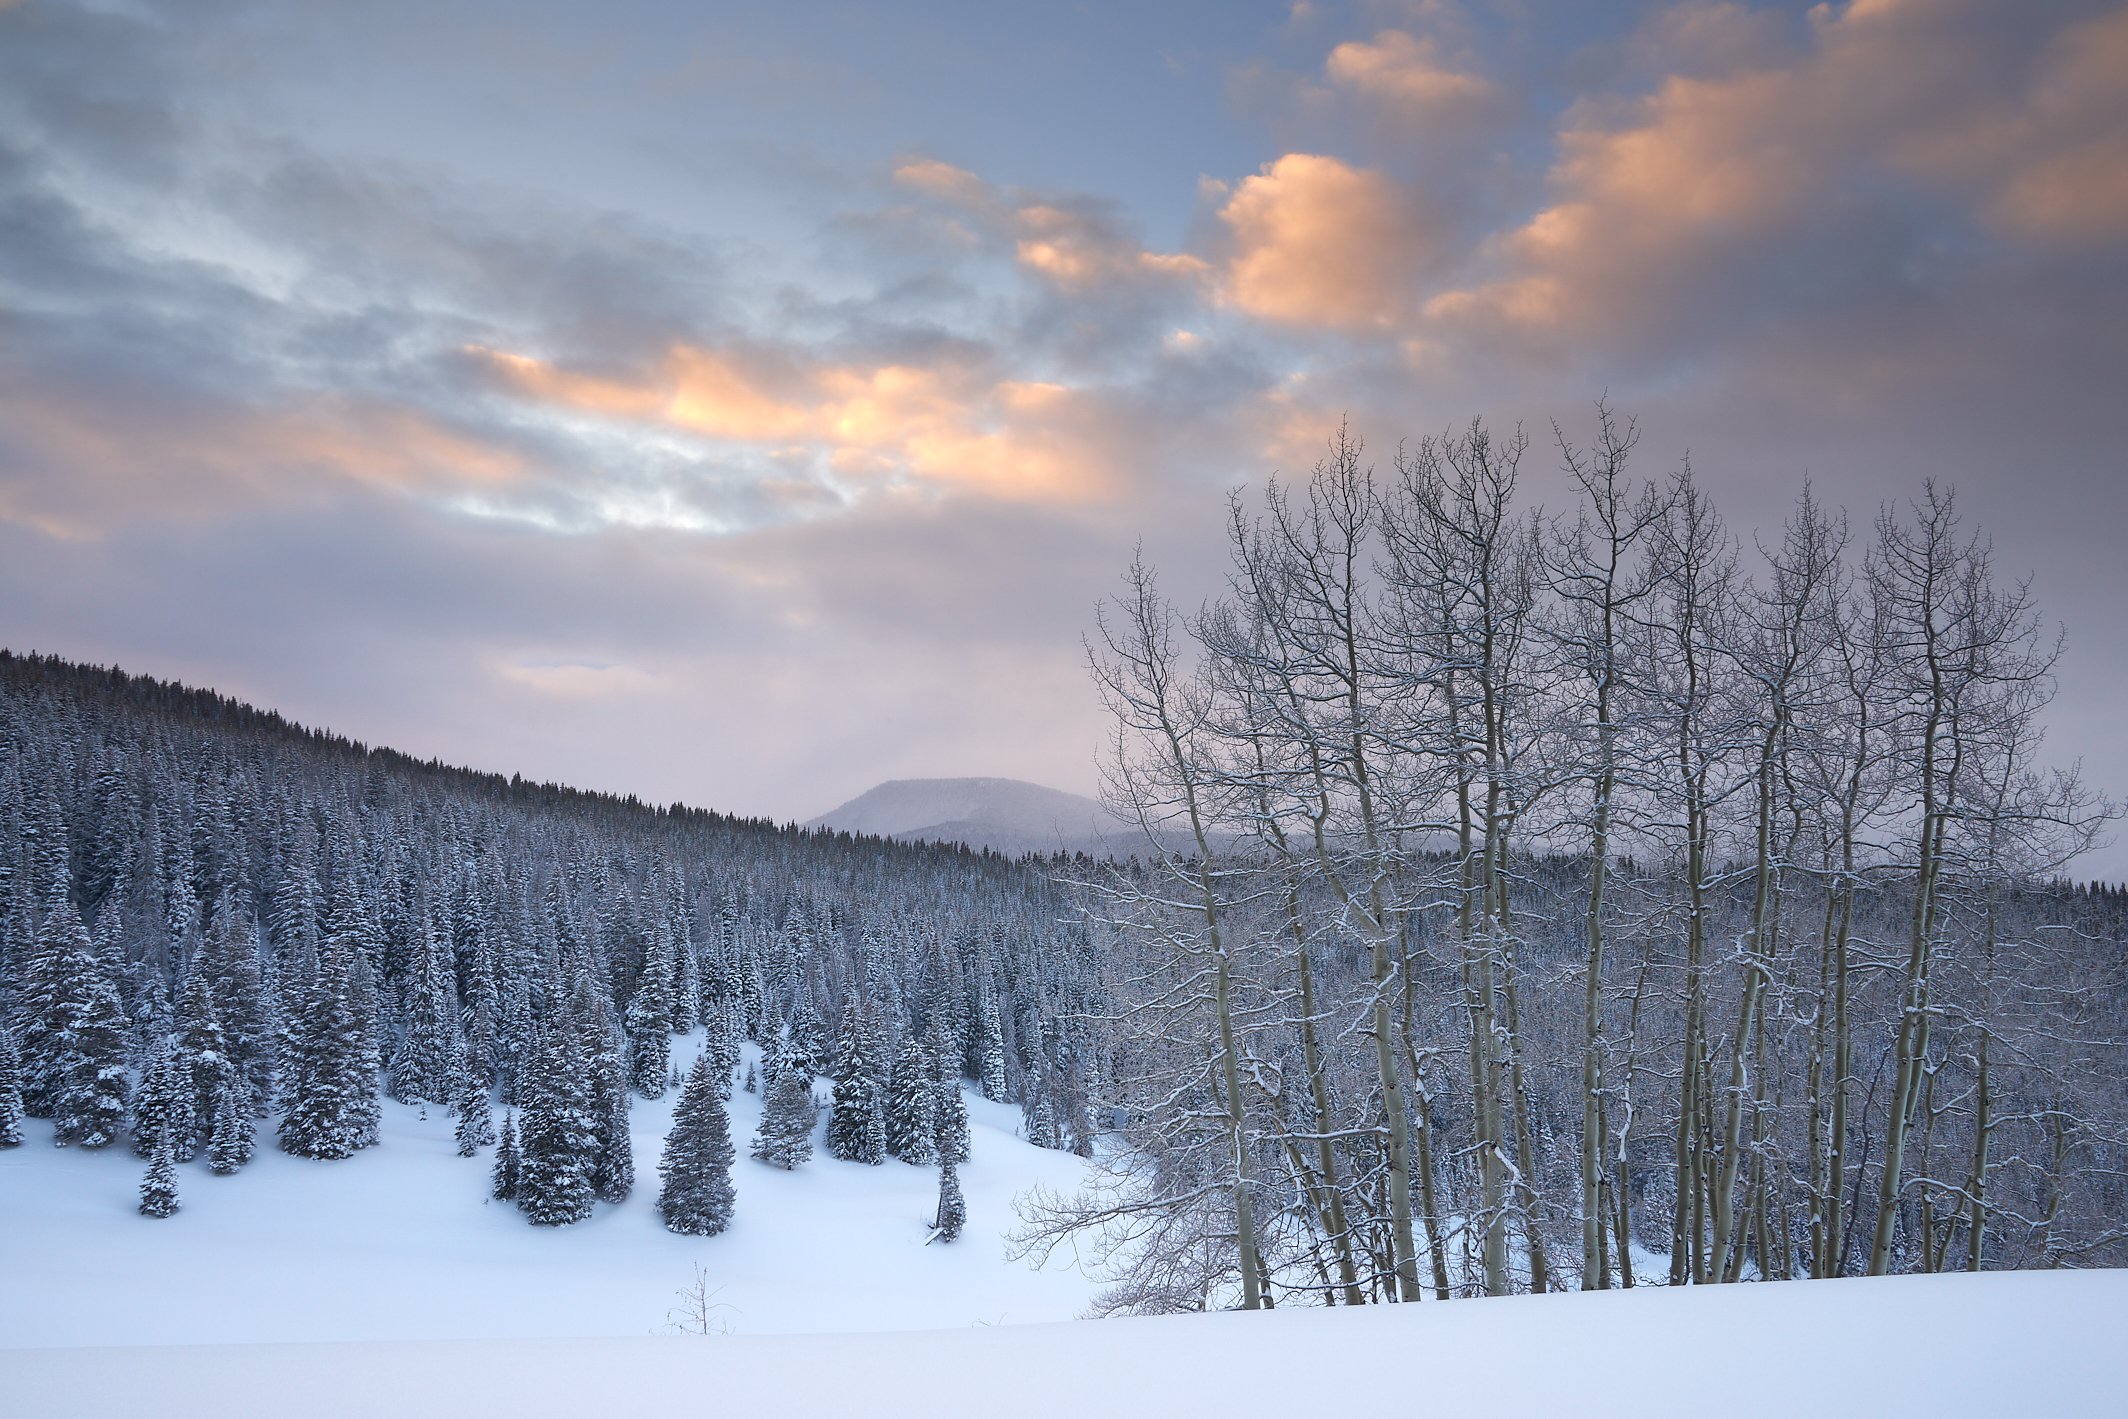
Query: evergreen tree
[84, 1028]
[696, 1197]
[785, 1138]
[203, 1055]
[326, 1086]
[949, 1114]
[721, 1043]
[753, 1080]
[990, 1045]
[650, 1018]
[427, 1055]
[1041, 1123]
[231, 1144]
[806, 1040]
[557, 1139]
[476, 1125]
[158, 1189]
[164, 1109]
[952, 1210]
[911, 1133]
[504, 1186]
[856, 1125]
[10, 1091]
[613, 1150]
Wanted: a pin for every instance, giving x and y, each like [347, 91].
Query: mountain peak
[1004, 814]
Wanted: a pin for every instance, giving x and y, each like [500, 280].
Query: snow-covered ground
[400, 1243]
[2004, 1344]
[386, 1285]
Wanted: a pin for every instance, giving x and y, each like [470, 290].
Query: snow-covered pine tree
[696, 1170]
[649, 1019]
[326, 1084]
[949, 1113]
[428, 1052]
[910, 1129]
[990, 1045]
[86, 1029]
[753, 1080]
[10, 1091]
[158, 1188]
[476, 1124]
[163, 1109]
[806, 1039]
[203, 1054]
[613, 1152]
[952, 1210]
[230, 1144]
[721, 1042]
[503, 1183]
[557, 1138]
[1041, 1123]
[856, 1125]
[785, 1138]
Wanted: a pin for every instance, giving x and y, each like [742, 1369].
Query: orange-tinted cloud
[1317, 242]
[1406, 73]
[886, 423]
[1706, 177]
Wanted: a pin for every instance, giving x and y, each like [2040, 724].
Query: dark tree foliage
[911, 1129]
[10, 1091]
[952, 1210]
[158, 1188]
[502, 1185]
[695, 1173]
[785, 1138]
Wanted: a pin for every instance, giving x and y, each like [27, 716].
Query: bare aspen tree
[1157, 776]
[1591, 563]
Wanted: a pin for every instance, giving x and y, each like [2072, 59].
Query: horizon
[751, 409]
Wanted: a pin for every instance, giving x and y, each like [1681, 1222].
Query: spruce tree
[952, 1210]
[158, 1189]
[85, 1028]
[696, 1197]
[326, 1086]
[476, 1124]
[649, 1020]
[428, 1051]
[949, 1121]
[503, 1188]
[557, 1138]
[856, 1128]
[164, 1109]
[806, 1040]
[203, 1055]
[910, 1129]
[785, 1138]
[231, 1143]
[613, 1148]
[10, 1091]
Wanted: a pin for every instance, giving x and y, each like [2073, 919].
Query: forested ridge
[220, 931]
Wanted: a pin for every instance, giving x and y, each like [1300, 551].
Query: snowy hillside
[999, 813]
[399, 1243]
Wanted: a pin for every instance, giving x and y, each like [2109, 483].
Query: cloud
[1773, 185]
[1319, 243]
[1407, 74]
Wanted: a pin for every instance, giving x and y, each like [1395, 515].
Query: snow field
[1997, 1345]
[400, 1243]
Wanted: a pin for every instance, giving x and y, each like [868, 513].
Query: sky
[744, 405]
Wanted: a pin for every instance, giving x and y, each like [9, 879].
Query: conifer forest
[1526, 901]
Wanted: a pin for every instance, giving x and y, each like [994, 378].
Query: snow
[400, 1243]
[1990, 1345]
[387, 1285]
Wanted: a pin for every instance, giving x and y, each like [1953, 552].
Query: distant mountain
[999, 813]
